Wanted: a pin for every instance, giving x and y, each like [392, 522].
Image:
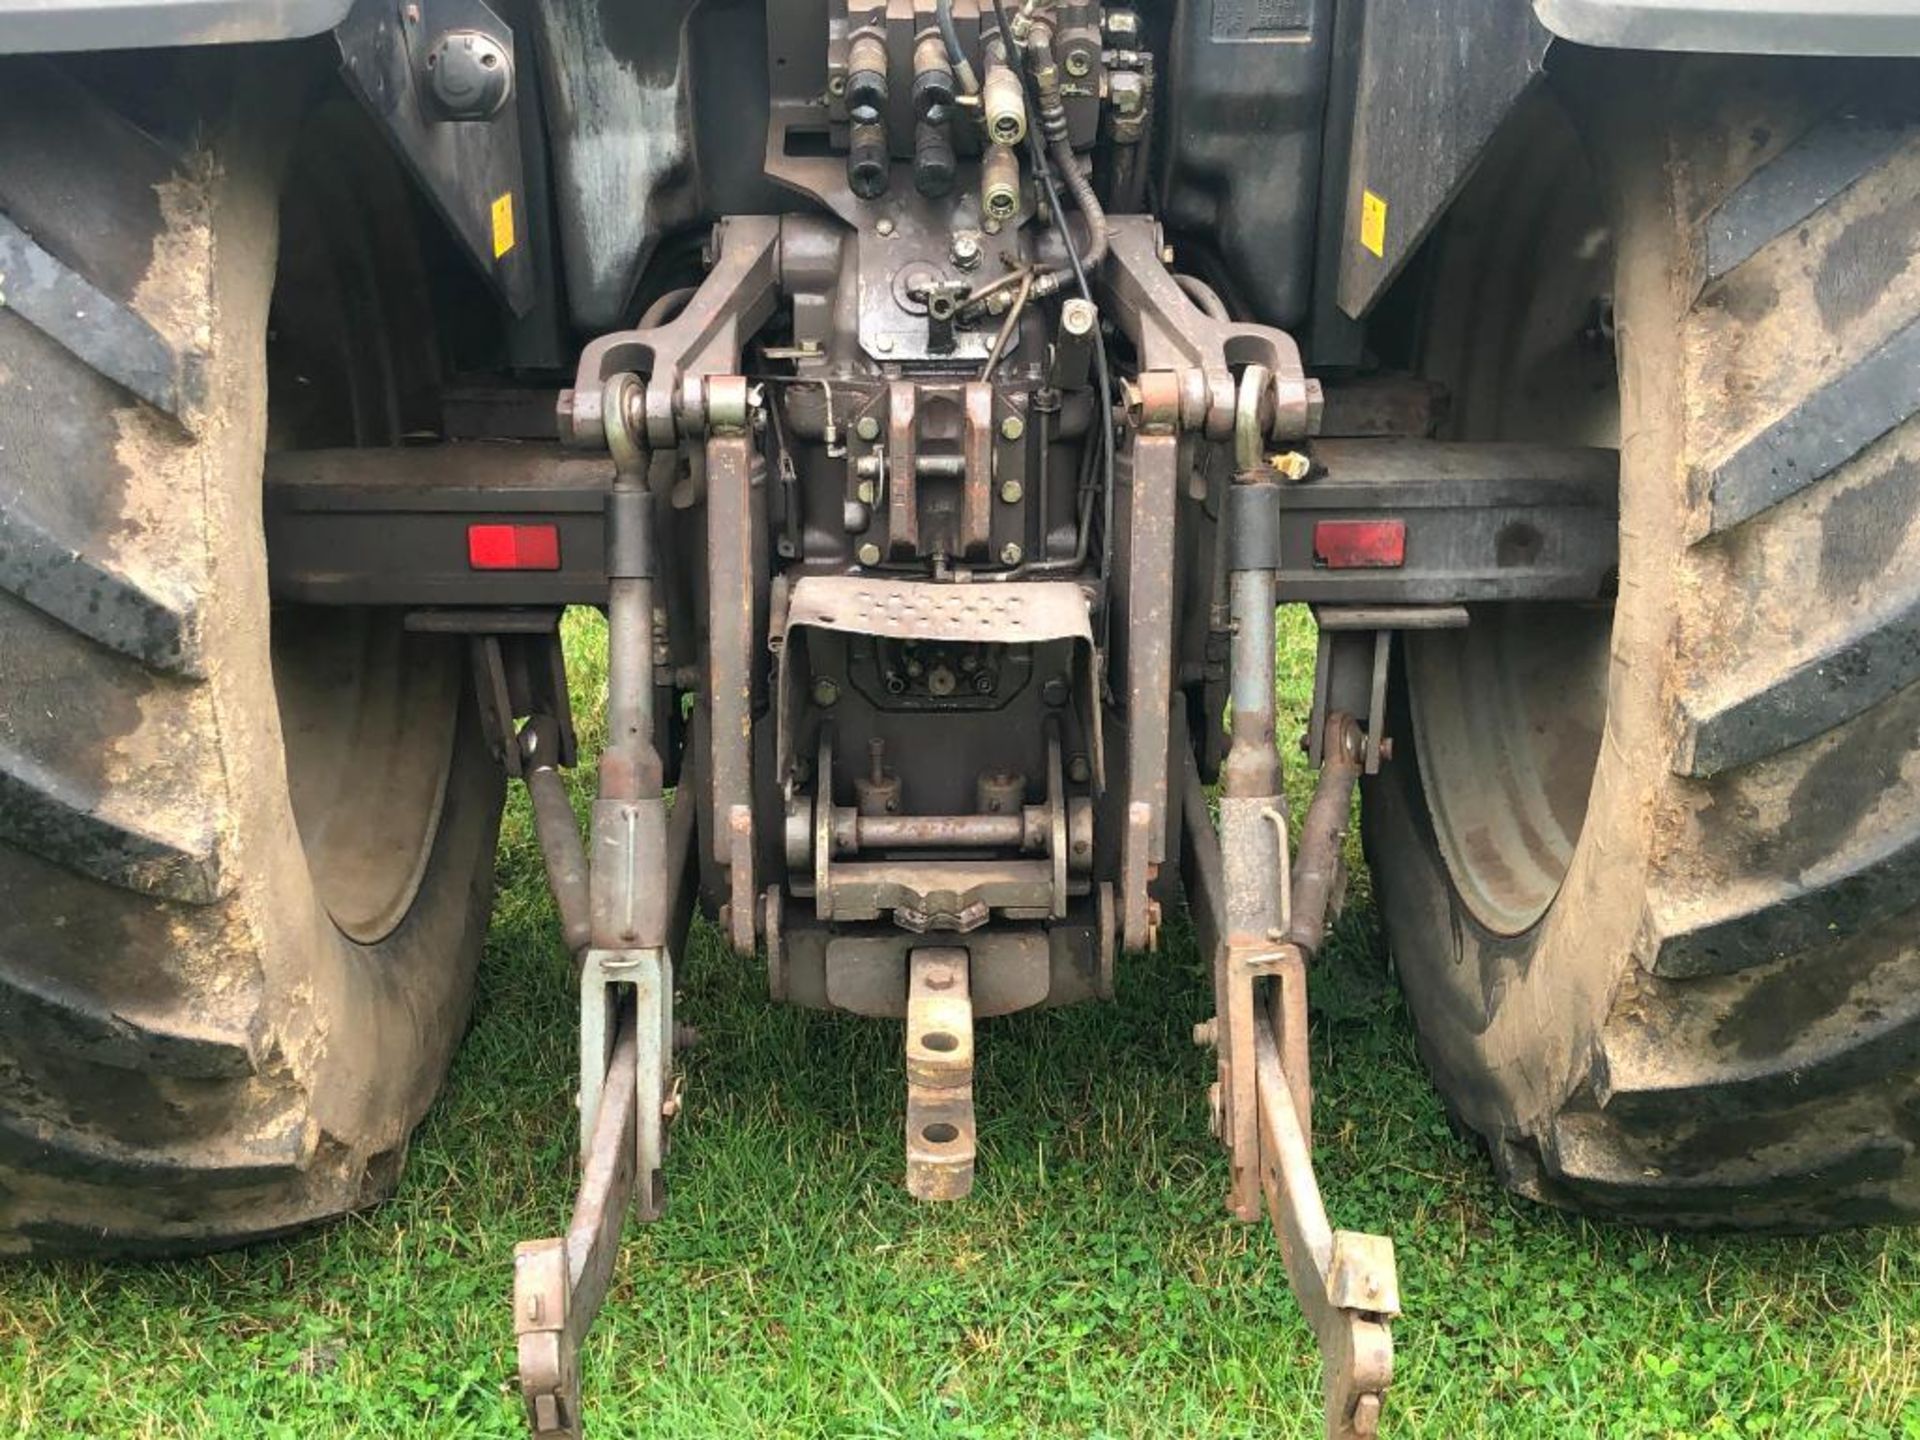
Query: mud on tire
[192, 1051]
[1716, 1020]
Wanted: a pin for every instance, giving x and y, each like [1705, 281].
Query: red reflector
[1360, 544]
[513, 547]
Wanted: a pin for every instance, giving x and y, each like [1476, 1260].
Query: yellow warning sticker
[503, 225]
[1373, 223]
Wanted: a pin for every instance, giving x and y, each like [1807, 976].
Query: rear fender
[1430, 82]
[1745, 27]
[47, 26]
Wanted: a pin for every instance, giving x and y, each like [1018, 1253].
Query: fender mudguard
[47, 26]
[1746, 27]
[1433, 80]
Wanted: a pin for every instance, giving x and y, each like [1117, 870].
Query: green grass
[1090, 1286]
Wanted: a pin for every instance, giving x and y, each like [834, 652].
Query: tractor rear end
[938, 444]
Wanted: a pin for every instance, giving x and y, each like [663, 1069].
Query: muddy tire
[225, 998]
[1667, 963]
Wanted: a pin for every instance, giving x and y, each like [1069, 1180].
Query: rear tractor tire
[1650, 879]
[245, 852]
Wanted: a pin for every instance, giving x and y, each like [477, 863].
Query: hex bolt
[1078, 64]
[825, 693]
[867, 427]
[863, 492]
[1010, 553]
[1054, 692]
[1078, 770]
[869, 554]
[670, 1107]
[966, 249]
[1011, 491]
[883, 226]
[1206, 1033]
[1012, 428]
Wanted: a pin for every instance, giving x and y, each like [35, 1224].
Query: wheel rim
[367, 720]
[1509, 713]
[368, 712]
[1507, 718]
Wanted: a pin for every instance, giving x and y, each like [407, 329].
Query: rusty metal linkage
[560, 1282]
[1344, 1281]
[940, 1125]
[1262, 913]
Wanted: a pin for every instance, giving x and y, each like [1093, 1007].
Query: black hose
[1053, 123]
[957, 57]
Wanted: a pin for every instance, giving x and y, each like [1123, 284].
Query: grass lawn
[1090, 1286]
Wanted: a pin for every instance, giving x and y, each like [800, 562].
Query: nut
[1010, 553]
[1078, 63]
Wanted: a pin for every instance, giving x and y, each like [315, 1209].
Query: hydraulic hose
[1044, 71]
[962, 67]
